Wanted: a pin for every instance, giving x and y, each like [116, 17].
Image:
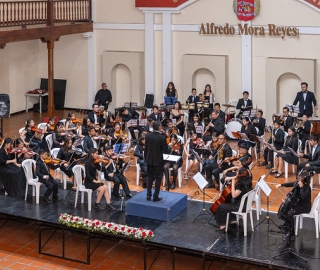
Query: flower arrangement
[95, 225]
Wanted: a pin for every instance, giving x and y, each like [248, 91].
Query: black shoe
[284, 225]
[98, 206]
[56, 198]
[167, 188]
[129, 196]
[270, 166]
[263, 163]
[210, 186]
[110, 207]
[173, 186]
[115, 195]
[148, 198]
[157, 199]
[46, 200]
[278, 175]
[218, 188]
[144, 185]
[233, 225]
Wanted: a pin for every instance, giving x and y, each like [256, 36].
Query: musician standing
[277, 139]
[303, 202]
[286, 120]
[304, 131]
[103, 97]
[194, 99]
[305, 99]
[314, 158]
[154, 148]
[244, 104]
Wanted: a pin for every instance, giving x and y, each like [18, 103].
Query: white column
[91, 68]
[149, 53]
[247, 63]
[166, 49]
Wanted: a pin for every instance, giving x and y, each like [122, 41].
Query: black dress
[291, 142]
[180, 126]
[91, 170]
[34, 143]
[12, 176]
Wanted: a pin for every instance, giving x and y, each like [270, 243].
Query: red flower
[109, 225]
[104, 223]
[87, 221]
[144, 234]
[115, 228]
[129, 230]
[122, 228]
[77, 219]
[97, 223]
[140, 229]
[64, 218]
[150, 233]
[71, 218]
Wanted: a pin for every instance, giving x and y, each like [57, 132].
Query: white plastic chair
[101, 176]
[234, 153]
[21, 130]
[77, 172]
[311, 181]
[179, 177]
[138, 170]
[241, 212]
[49, 141]
[27, 166]
[314, 213]
[286, 164]
[63, 178]
[257, 200]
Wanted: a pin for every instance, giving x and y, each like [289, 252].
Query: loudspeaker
[4, 106]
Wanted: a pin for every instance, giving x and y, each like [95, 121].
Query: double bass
[291, 200]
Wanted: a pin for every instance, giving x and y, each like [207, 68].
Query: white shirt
[313, 150]
[304, 98]
[94, 143]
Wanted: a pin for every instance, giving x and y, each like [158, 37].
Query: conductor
[305, 99]
[155, 146]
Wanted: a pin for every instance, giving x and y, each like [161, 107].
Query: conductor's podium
[171, 205]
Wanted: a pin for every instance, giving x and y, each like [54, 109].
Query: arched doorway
[121, 80]
[201, 78]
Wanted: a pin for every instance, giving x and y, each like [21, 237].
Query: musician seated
[92, 182]
[193, 99]
[277, 138]
[285, 154]
[112, 173]
[243, 159]
[301, 193]
[138, 152]
[175, 148]
[241, 184]
[304, 131]
[46, 178]
[244, 104]
[59, 135]
[131, 114]
[217, 108]
[213, 146]
[31, 136]
[224, 151]
[118, 135]
[248, 129]
[193, 142]
[286, 120]
[89, 142]
[313, 163]
[173, 129]
[216, 124]
[156, 115]
[49, 127]
[24, 153]
[97, 117]
[197, 125]
[110, 121]
[83, 129]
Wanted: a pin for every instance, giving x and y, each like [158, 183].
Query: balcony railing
[23, 13]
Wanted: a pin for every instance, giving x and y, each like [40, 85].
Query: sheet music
[244, 136]
[171, 158]
[200, 180]
[199, 129]
[142, 122]
[174, 121]
[264, 186]
[132, 123]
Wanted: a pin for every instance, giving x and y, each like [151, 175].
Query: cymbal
[228, 105]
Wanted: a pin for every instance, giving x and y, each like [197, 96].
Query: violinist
[302, 192]
[49, 127]
[168, 133]
[31, 136]
[285, 154]
[216, 124]
[178, 114]
[128, 115]
[277, 139]
[175, 148]
[304, 131]
[173, 129]
[192, 142]
[248, 129]
[149, 127]
[110, 122]
[46, 178]
[213, 146]
[112, 174]
[83, 129]
[313, 163]
[12, 174]
[241, 184]
[139, 153]
[23, 153]
[96, 117]
[92, 182]
[67, 155]
[59, 135]
[71, 125]
[118, 135]
[224, 152]
[156, 115]
[89, 142]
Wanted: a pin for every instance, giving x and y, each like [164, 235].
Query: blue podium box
[171, 205]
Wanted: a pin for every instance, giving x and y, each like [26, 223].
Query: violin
[176, 147]
[168, 140]
[54, 161]
[104, 160]
[120, 134]
[215, 145]
[198, 142]
[14, 150]
[51, 127]
[100, 137]
[233, 158]
[36, 129]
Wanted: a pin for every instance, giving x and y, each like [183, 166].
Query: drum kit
[192, 106]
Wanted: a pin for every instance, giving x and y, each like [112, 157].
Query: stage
[180, 235]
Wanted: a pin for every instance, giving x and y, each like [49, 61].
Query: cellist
[303, 202]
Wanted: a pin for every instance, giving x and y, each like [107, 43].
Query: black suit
[132, 114]
[213, 169]
[51, 183]
[100, 119]
[261, 124]
[287, 122]
[314, 161]
[155, 146]
[156, 117]
[102, 96]
[87, 144]
[222, 115]
[304, 134]
[193, 99]
[278, 143]
[241, 103]
[305, 106]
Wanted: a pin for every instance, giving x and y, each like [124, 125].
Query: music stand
[121, 172]
[266, 190]
[201, 182]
